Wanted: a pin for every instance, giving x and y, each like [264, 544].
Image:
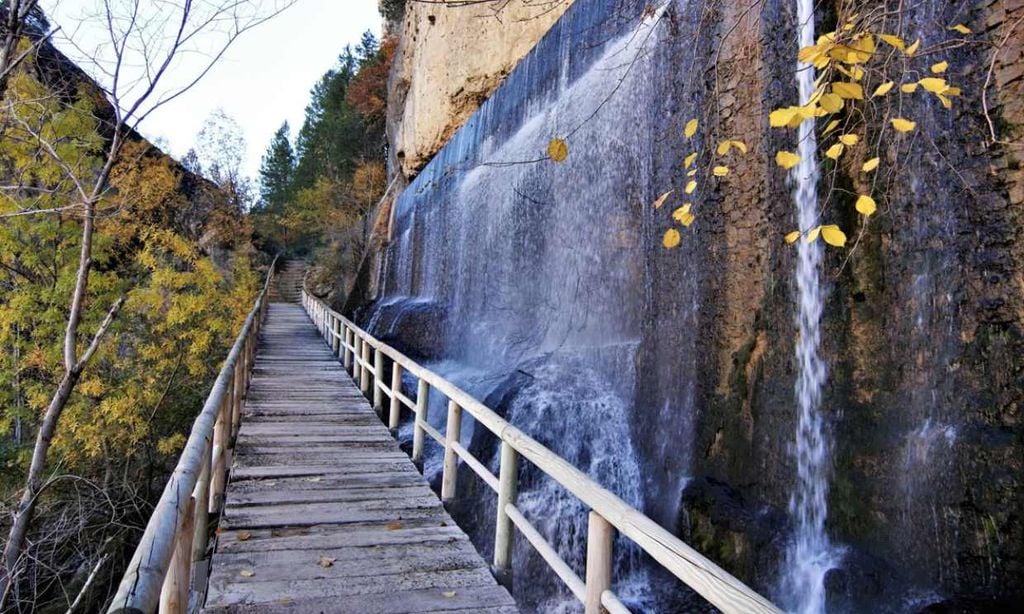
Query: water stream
[810, 554]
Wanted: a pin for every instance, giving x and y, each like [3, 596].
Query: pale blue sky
[264, 78]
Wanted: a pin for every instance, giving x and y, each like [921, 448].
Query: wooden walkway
[323, 511]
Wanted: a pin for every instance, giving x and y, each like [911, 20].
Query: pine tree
[277, 172]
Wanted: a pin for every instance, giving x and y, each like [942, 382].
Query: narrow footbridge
[291, 494]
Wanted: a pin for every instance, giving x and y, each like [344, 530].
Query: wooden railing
[363, 357]
[160, 572]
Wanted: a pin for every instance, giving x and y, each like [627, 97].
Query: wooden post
[396, 404]
[378, 379]
[345, 352]
[508, 487]
[364, 383]
[174, 592]
[219, 456]
[236, 405]
[418, 434]
[599, 561]
[201, 495]
[357, 353]
[451, 458]
[336, 338]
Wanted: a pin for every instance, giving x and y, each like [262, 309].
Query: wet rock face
[923, 326]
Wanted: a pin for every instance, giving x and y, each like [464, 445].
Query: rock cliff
[450, 57]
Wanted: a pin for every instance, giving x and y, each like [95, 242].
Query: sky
[263, 79]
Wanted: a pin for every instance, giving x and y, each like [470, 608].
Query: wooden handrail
[159, 574]
[717, 586]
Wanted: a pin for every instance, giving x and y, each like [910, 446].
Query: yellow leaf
[671, 238]
[690, 186]
[835, 151]
[882, 89]
[952, 91]
[870, 165]
[681, 212]
[912, 49]
[792, 237]
[934, 85]
[558, 150]
[720, 171]
[940, 67]
[946, 102]
[326, 561]
[832, 103]
[865, 205]
[787, 159]
[247, 573]
[725, 146]
[961, 28]
[780, 117]
[690, 159]
[661, 199]
[893, 40]
[691, 172]
[833, 236]
[848, 90]
[908, 88]
[691, 128]
[903, 125]
[849, 139]
[832, 125]
[812, 235]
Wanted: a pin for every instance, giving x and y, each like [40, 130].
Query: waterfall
[810, 554]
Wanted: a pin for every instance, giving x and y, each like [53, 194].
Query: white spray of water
[810, 554]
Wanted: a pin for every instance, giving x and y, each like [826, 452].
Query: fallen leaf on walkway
[243, 536]
[448, 593]
[247, 573]
[326, 561]
[394, 526]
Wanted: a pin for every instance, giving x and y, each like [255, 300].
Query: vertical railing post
[357, 353]
[236, 404]
[201, 495]
[174, 592]
[508, 488]
[364, 382]
[221, 430]
[418, 434]
[378, 379]
[396, 404]
[451, 458]
[337, 337]
[599, 562]
[346, 352]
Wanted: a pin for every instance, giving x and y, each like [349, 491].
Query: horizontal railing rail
[160, 572]
[363, 357]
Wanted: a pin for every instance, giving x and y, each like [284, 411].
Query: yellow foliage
[787, 159]
[671, 238]
[903, 125]
[690, 129]
[833, 236]
[558, 150]
[658, 202]
[865, 205]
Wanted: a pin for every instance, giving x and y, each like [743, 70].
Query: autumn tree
[73, 183]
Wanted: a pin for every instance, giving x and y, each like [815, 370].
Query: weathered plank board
[323, 512]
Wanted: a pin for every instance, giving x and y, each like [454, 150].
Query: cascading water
[810, 554]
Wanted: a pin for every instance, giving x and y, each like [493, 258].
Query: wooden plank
[315, 473]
